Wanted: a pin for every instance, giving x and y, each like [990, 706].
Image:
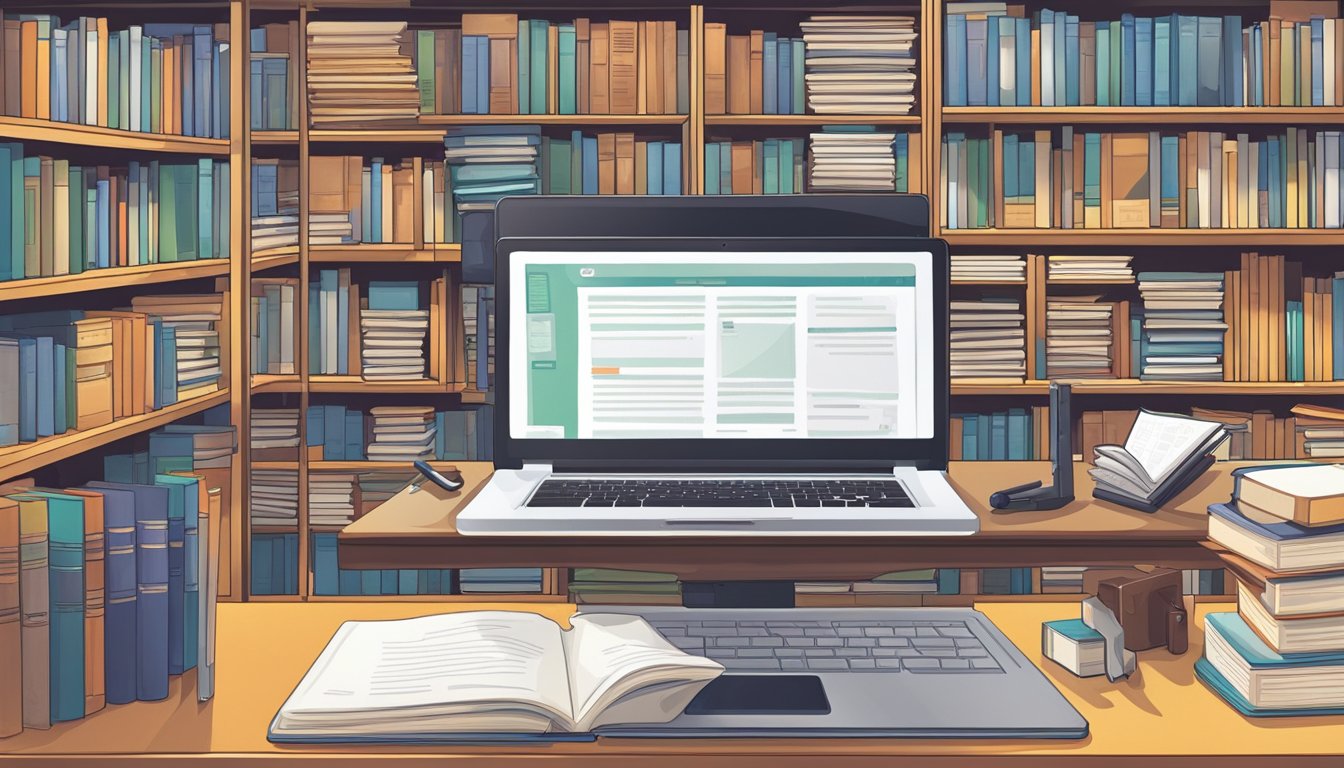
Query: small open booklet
[488, 672]
[1163, 453]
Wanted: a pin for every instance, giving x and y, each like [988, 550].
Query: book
[1276, 544]
[1257, 681]
[1288, 595]
[1157, 459]
[34, 611]
[1290, 634]
[11, 648]
[1077, 647]
[119, 638]
[1310, 495]
[652, 682]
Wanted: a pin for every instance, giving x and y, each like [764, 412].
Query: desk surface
[264, 649]
[419, 530]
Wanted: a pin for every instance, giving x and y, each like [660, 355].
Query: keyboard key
[827, 664]
[920, 664]
[753, 664]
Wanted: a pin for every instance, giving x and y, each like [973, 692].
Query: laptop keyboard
[840, 492]
[890, 645]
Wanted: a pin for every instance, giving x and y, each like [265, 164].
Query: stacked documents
[988, 339]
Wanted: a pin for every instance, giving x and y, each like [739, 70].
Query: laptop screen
[696, 345]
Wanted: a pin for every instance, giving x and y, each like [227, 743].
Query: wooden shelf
[383, 135]
[373, 253]
[271, 258]
[286, 528]
[1143, 115]
[1099, 281]
[474, 397]
[28, 129]
[264, 383]
[811, 120]
[358, 385]
[365, 466]
[113, 277]
[1137, 387]
[275, 137]
[1237, 238]
[577, 121]
[18, 459]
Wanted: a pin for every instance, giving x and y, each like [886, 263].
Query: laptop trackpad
[761, 695]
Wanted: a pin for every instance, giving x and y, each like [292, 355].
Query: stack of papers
[1089, 269]
[393, 345]
[330, 229]
[274, 428]
[487, 163]
[274, 496]
[1183, 325]
[1078, 337]
[860, 64]
[971, 268]
[402, 433]
[331, 498]
[854, 161]
[988, 339]
[358, 75]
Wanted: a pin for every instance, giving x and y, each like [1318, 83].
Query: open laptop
[661, 386]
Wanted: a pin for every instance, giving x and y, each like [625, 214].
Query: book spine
[66, 581]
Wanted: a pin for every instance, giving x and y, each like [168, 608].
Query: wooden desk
[1161, 718]
[419, 531]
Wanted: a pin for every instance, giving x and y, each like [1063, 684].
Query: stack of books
[331, 498]
[759, 73]
[1062, 579]
[274, 434]
[358, 75]
[995, 56]
[273, 497]
[988, 339]
[761, 167]
[275, 203]
[67, 218]
[995, 268]
[1078, 343]
[402, 433]
[860, 64]
[607, 164]
[1090, 269]
[1319, 431]
[1282, 652]
[478, 308]
[605, 586]
[274, 87]
[155, 78]
[393, 330]
[192, 319]
[1195, 179]
[499, 580]
[1017, 434]
[1183, 326]
[274, 318]
[490, 162]
[856, 161]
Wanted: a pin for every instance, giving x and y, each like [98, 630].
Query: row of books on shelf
[113, 583]
[998, 57]
[1273, 655]
[596, 586]
[155, 78]
[380, 335]
[1192, 179]
[63, 218]
[67, 370]
[856, 64]
[273, 84]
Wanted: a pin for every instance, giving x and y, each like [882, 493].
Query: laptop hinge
[672, 466]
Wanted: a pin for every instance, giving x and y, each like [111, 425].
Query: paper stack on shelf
[393, 330]
[860, 64]
[1319, 431]
[274, 496]
[1090, 269]
[402, 433]
[193, 319]
[1183, 325]
[988, 339]
[1062, 579]
[486, 163]
[1078, 337]
[330, 229]
[971, 268]
[851, 160]
[331, 498]
[357, 74]
[274, 435]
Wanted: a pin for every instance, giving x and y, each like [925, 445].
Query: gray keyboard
[893, 645]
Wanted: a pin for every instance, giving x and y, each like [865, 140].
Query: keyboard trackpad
[761, 695]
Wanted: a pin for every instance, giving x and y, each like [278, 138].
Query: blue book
[119, 644]
[784, 79]
[590, 165]
[1127, 63]
[482, 75]
[46, 386]
[992, 62]
[394, 295]
[969, 435]
[60, 94]
[190, 553]
[1017, 434]
[326, 571]
[1275, 175]
[152, 600]
[1104, 97]
[370, 582]
[468, 85]
[348, 581]
[375, 231]
[998, 427]
[949, 581]
[1005, 83]
[1186, 75]
[257, 95]
[388, 582]
[770, 74]
[1259, 657]
[726, 167]
[1143, 62]
[1022, 29]
[1071, 64]
[1317, 62]
[316, 427]
[1210, 62]
[1060, 58]
[1010, 168]
[407, 581]
[712, 169]
[672, 168]
[65, 574]
[1257, 66]
[203, 46]
[165, 364]
[260, 565]
[770, 167]
[176, 569]
[354, 435]
[60, 396]
[334, 443]
[955, 75]
[1161, 69]
[976, 62]
[653, 169]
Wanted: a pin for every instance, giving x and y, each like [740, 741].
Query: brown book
[599, 85]
[642, 52]
[582, 61]
[623, 61]
[716, 69]
[1129, 181]
[970, 581]
[757, 167]
[606, 163]
[997, 213]
[502, 65]
[1087, 62]
[11, 659]
[1120, 346]
[756, 58]
[404, 206]
[625, 163]
[954, 442]
[1107, 182]
[1036, 67]
[13, 67]
[553, 69]
[669, 67]
[739, 75]
[651, 81]
[641, 167]
[741, 155]
[1230, 318]
[34, 611]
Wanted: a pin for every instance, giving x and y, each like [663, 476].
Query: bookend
[1032, 496]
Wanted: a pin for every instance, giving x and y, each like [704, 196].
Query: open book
[1163, 453]
[489, 672]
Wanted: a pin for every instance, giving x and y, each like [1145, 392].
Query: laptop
[682, 387]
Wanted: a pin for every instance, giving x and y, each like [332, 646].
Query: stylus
[436, 478]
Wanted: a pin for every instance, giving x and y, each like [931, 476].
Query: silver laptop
[702, 387]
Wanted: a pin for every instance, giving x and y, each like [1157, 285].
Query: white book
[489, 672]
[1328, 50]
[91, 54]
[1332, 217]
[1048, 66]
[1007, 68]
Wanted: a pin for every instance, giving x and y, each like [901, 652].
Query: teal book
[672, 168]
[186, 183]
[113, 94]
[576, 163]
[77, 196]
[568, 74]
[1103, 64]
[1264, 663]
[177, 510]
[712, 170]
[1161, 62]
[770, 167]
[1019, 434]
[524, 69]
[189, 494]
[394, 295]
[65, 572]
[799, 88]
[540, 45]
[11, 211]
[561, 165]
[205, 208]
[786, 150]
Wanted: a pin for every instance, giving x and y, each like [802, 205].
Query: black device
[1035, 496]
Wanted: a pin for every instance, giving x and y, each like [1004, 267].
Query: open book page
[1160, 442]
[418, 675]
[1118, 460]
[622, 671]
